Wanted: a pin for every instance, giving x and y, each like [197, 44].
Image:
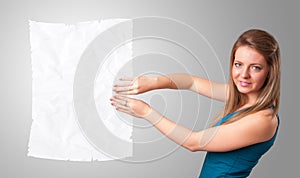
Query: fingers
[122, 89]
[130, 90]
[127, 79]
[124, 84]
[125, 111]
[119, 101]
[130, 106]
[126, 87]
[122, 104]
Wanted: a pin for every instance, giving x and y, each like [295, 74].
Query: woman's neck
[251, 100]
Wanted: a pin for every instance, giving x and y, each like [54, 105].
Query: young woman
[247, 126]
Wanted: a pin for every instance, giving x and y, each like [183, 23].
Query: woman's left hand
[131, 106]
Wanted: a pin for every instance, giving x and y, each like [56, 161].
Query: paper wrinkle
[56, 50]
[105, 79]
[84, 92]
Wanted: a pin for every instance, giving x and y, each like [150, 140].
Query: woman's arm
[252, 129]
[199, 85]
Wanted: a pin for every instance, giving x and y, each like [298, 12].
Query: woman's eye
[237, 64]
[256, 68]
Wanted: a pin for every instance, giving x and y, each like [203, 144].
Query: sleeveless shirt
[235, 163]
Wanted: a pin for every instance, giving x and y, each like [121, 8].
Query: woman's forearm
[196, 84]
[177, 133]
[174, 81]
[193, 141]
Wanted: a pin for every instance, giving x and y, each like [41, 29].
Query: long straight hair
[269, 94]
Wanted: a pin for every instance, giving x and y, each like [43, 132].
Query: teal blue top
[236, 163]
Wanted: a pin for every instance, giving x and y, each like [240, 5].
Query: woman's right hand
[138, 85]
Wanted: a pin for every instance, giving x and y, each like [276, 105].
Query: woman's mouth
[245, 84]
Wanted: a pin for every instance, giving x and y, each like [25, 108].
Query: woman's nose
[245, 73]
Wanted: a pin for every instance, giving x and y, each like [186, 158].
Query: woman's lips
[245, 84]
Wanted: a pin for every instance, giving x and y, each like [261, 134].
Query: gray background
[219, 22]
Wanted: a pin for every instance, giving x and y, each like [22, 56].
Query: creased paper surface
[57, 52]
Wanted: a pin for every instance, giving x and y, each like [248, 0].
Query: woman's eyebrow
[236, 60]
[255, 63]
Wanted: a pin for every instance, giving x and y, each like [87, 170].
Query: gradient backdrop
[220, 23]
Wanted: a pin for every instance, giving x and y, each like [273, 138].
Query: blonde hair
[269, 94]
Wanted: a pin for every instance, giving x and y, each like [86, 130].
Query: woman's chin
[244, 90]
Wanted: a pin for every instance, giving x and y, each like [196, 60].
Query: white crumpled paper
[64, 126]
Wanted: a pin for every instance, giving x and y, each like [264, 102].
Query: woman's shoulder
[264, 121]
[264, 116]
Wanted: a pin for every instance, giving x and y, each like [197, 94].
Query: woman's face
[249, 70]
